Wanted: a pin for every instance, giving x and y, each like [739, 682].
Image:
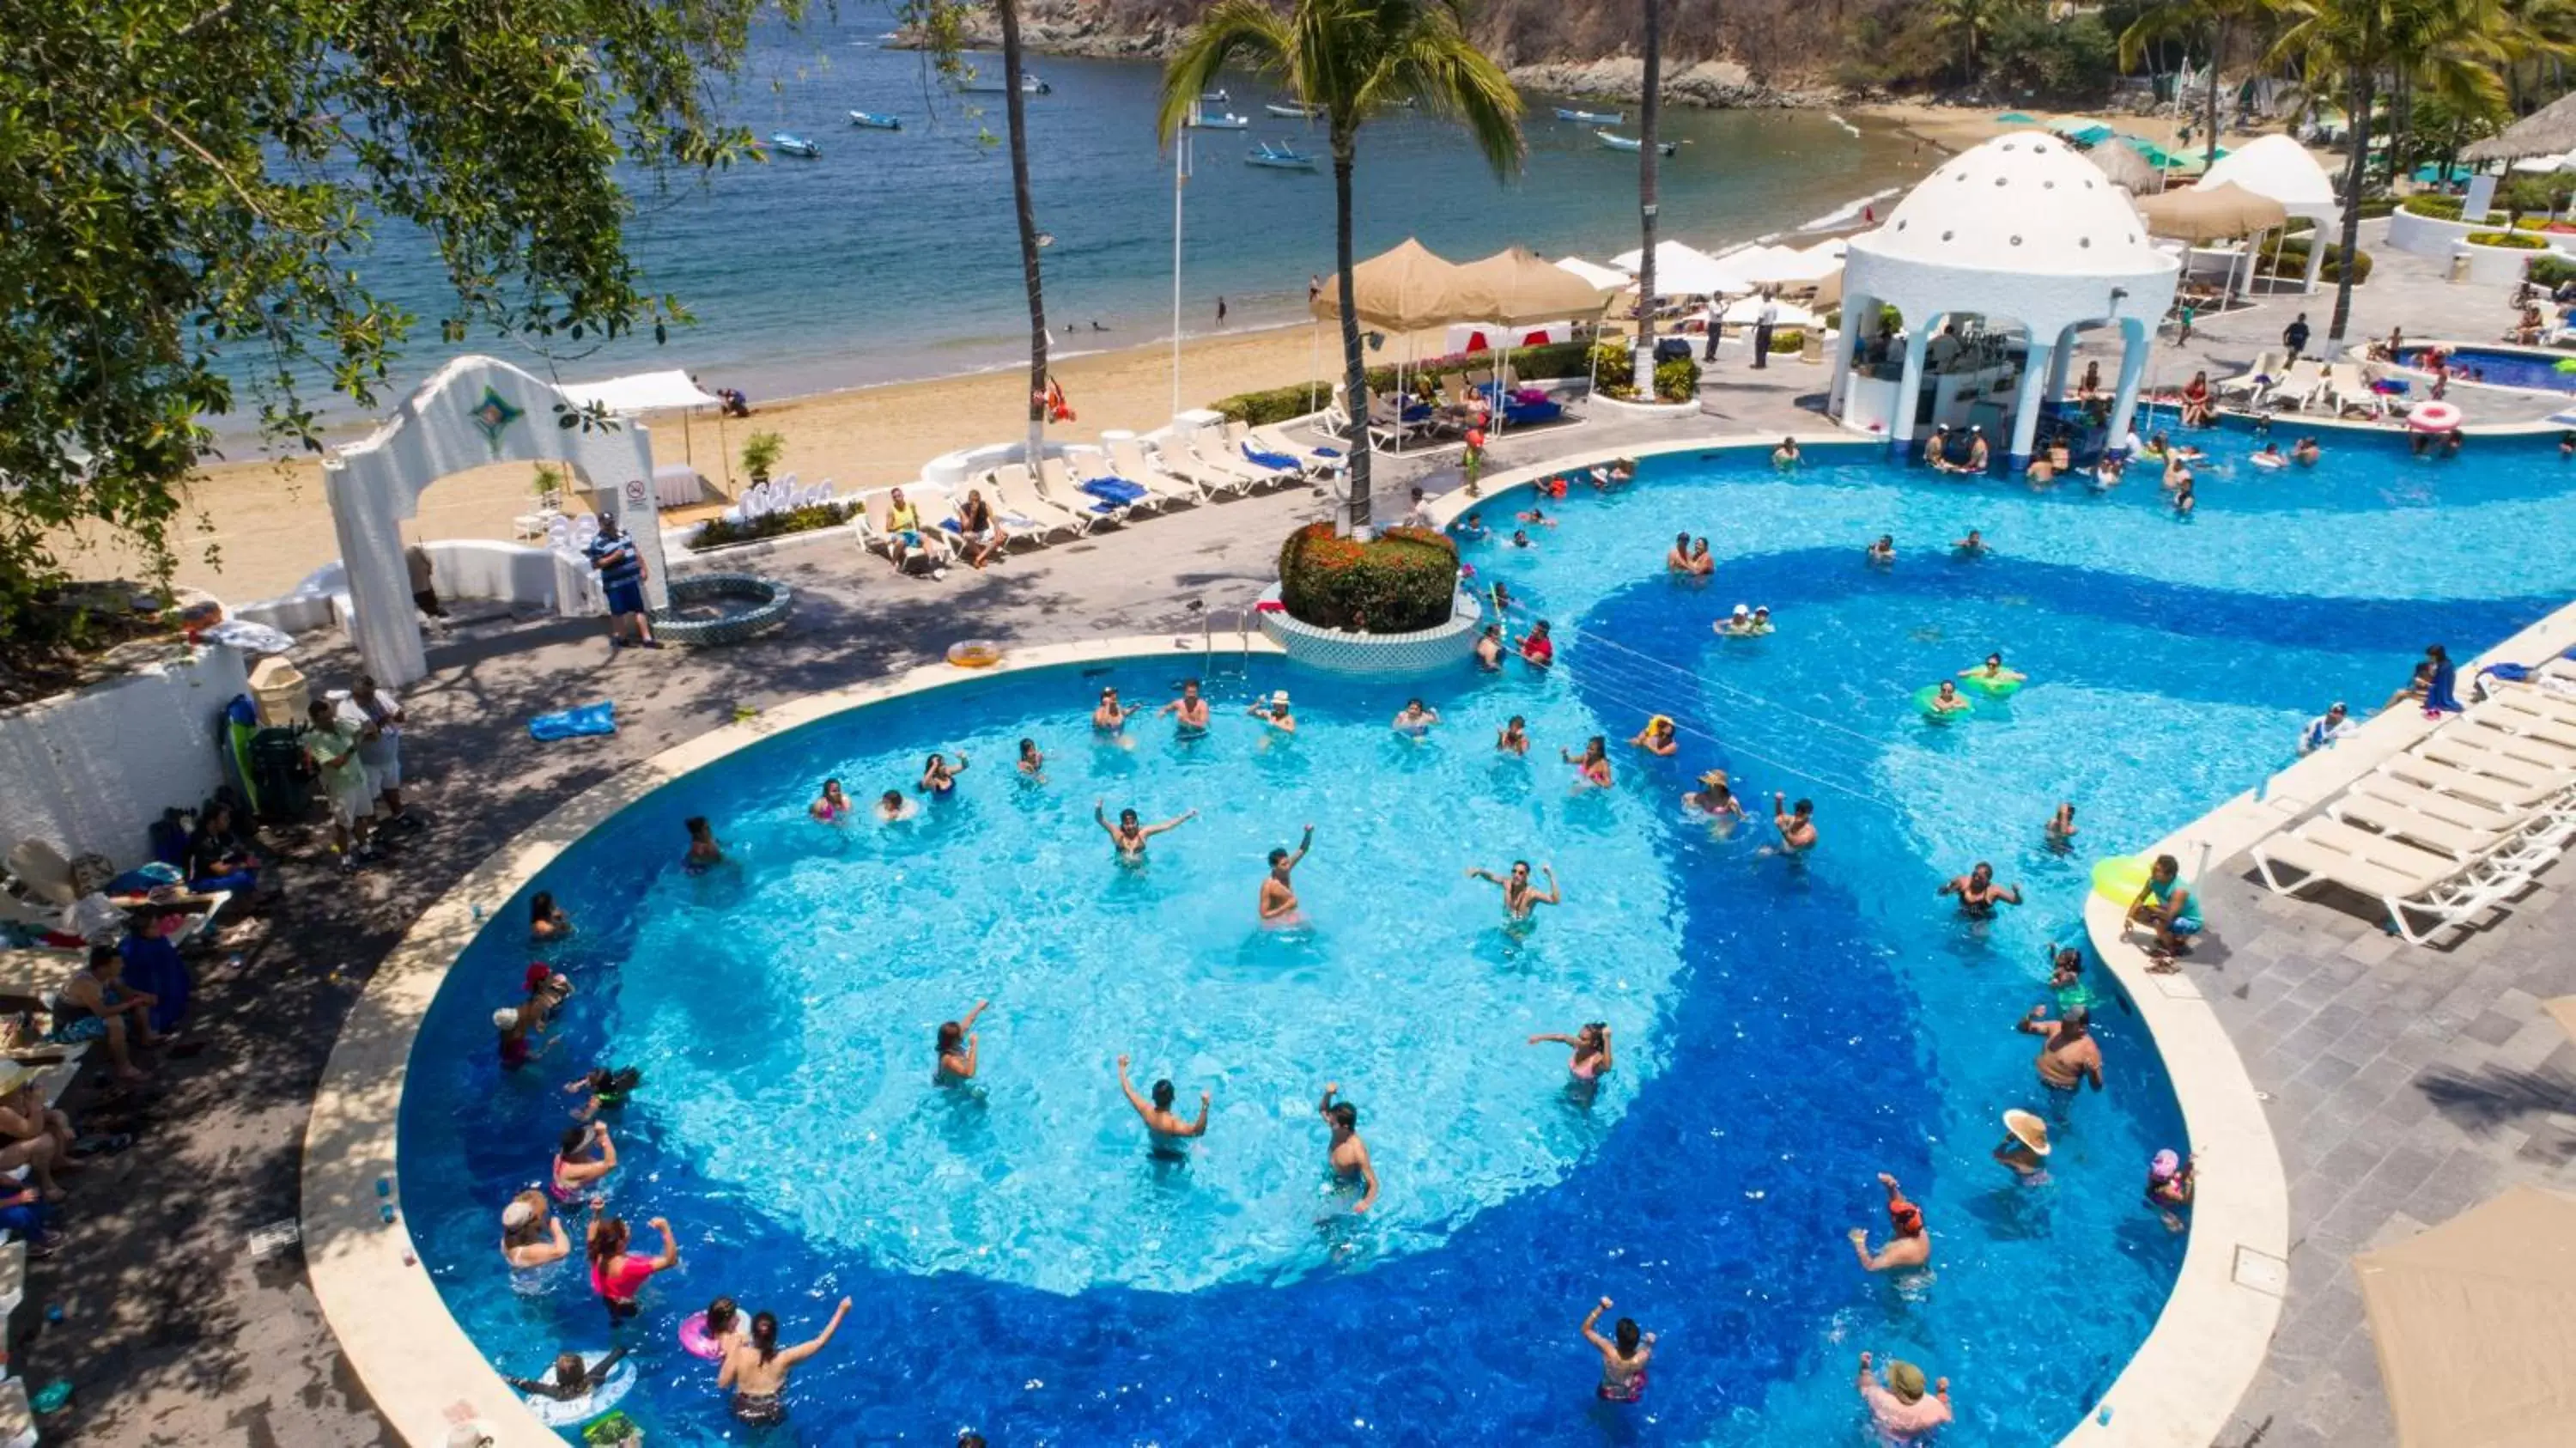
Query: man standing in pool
[2070, 1056]
[1190, 711]
[1130, 833]
[1111, 717]
[1796, 824]
[1520, 897]
[1168, 1128]
[1979, 894]
[1278, 894]
[1907, 1246]
[1347, 1155]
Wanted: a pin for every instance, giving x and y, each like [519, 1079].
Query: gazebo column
[2041, 364]
[1909, 390]
[383, 620]
[1855, 337]
[2316, 253]
[2057, 362]
[2133, 367]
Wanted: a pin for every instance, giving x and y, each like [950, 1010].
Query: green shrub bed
[1403, 580]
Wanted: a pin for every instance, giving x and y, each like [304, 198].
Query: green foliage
[1614, 367]
[1788, 339]
[716, 531]
[2546, 193]
[1279, 404]
[1678, 380]
[191, 188]
[1402, 580]
[2373, 207]
[2290, 258]
[2550, 270]
[2030, 54]
[2432, 204]
[2509, 240]
[549, 480]
[760, 453]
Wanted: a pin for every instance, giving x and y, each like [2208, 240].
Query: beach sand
[270, 525]
[1956, 128]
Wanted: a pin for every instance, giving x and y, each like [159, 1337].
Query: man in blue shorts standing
[621, 576]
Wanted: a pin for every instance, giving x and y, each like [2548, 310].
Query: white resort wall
[88, 772]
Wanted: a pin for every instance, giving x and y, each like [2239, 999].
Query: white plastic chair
[584, 529]
[559, 532]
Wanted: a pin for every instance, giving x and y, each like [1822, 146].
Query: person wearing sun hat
[1902, 1407]
[2025, 1147]
[1907, 1246]
[1275, 713]
[2169, 1187]
[1740, 621]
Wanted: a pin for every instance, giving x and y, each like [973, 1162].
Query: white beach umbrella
[1605, 277]
[1682, 271]
[1745, 311]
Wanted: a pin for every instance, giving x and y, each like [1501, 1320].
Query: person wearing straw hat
[1907, 1245]
[2025, 1147]
[2069, 1056]
[1903, 1409]
[1715, 797]
[1275, 713]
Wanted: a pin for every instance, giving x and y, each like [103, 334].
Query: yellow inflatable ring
[975, 654]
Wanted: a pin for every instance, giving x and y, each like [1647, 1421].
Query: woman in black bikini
[756, 1368]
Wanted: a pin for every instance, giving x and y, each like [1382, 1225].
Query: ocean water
[1785, 1029]
[896, 256]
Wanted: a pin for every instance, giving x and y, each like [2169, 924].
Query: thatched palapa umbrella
[2549, 131]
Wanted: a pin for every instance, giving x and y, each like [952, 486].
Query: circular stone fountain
[722, 608]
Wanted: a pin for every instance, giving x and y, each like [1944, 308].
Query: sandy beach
[1956, 128]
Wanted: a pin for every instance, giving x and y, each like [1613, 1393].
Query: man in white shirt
[1419, 515]
[1762, 321]
[2325, 729]
[1713, 318]
[378, 718]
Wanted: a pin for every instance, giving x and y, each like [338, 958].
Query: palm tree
[1971, 21]
[2220, 20]
[1015, 110]
[1353, 59]
[1650, 129]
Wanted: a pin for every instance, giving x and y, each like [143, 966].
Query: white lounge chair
[1317, 460]
[1127, 459]
[1211, 450]
[1057, 484]
[938, 548]
[2478, 785]
[2266, 368]
[1015, 494]
[2297, 387]
[2349, 391]
[1215, 484]
[2405, 880]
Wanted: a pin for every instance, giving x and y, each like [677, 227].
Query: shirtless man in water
[1158, 1115]
[1979, 894]
[2070, 1056]
[1348, 1155]
[1130, 834]
[1796, 824]
[1278, 894]
[1520, 897]
[1191, 710]
[1906, 1244]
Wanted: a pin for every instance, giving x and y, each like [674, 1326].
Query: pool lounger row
[1112, 484]
[2450, 828]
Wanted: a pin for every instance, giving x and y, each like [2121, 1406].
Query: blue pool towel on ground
[599, 718]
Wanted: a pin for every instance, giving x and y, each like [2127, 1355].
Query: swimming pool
[1025, 1267]
[2530, 368]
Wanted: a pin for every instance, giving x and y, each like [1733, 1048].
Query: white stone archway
[471, 412]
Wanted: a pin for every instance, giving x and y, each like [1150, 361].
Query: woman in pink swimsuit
[1591, 1050]
[616, 1274]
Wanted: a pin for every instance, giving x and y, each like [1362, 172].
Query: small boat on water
[1598, 118]
[1030, 85]
[1279, 156]
[1631, 143]
[1293, 111]
[1228, 121]
[1215, 97]
[870, 120]
[795, 145]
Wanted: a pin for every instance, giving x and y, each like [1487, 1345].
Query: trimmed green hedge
[2549, 271]
[1400, 581]
[2372, 206]
[1278, 404]
[1788, 339]
[2290, 257]
[2434, 205]
[717, 531]
[2507, 240]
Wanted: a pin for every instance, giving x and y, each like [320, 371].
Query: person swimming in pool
[705, 853]
[1521, 538]
[2068, 1056]
[1520, 897]
[1489, 649]
[1278, 903]
[938, 778]
[1032, 761]
[1907, 1245]
[2060, 830]
[547, 922]
[1275, 713]
[1591, 1048]
[1796, 823]
[1972, 546]
[1701, 565]
[531, 1234]
[1679, 559]
[1166, 1125]
[959, 1048]
[1593, 769]
[1130, 834]
[1658, 737]
[1992, 671]
[1415, 719]
[832, 806]
[1111, 716]
[573, 1171]
[1514, 738]
[2107, 473]
[1624, 1355]
[1538, 646]
[893, 807]
[1536, 517]
[1883, 552]
[756, 1367]
[1346, 1154]
[1738, 624]
[1948, 700]
[1714, 797]
[1189, 712]
[2185, 500]
[1785, 456]
[1472, 529]
[2304, 452]
[572, 1376]
[2164, 904]
[1979, 894]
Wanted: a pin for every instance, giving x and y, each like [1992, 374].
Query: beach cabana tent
[2475, 1323]
[1402, 289]
[1513, 286]
[2024, 228]
[2282, 169]
[2548, 131]
[1682, 271]
[635, 394]
[2210, 213]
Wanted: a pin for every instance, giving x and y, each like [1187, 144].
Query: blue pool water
[2505, 367]
[1024, 1267]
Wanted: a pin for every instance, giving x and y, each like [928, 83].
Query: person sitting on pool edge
[756, 1367]
[2164, 904]
[1278, 902]
[1346, 1155]
[1979, 894]
[1907, 1246]
[1624, 1355]
[959, 1049]
[1166, 1126]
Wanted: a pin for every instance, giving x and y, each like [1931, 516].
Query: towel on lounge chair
[1520, 413]
[1115, 491]
[599, 718]
[1260, 458]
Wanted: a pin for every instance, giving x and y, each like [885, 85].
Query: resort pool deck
[1824, 1025]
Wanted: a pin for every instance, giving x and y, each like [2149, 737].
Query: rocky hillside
[1745, 53]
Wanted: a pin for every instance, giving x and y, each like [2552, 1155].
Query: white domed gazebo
[2021, 230]
[2282, 169]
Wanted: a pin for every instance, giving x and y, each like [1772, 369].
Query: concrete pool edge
[413, 1359]
[2196, 1363]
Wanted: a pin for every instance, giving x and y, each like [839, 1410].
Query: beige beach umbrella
[1403, 289]
[1514, 287]
[2210, 213]
[2475, 1322]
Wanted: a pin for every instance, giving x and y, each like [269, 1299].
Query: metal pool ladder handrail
[1242, 624]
